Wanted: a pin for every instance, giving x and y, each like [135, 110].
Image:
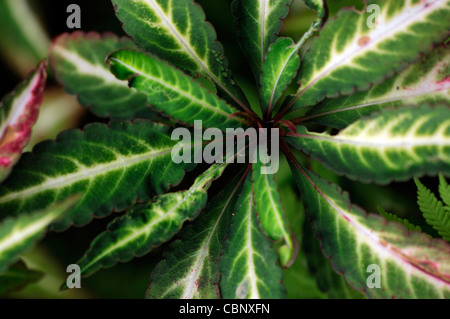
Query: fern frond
[394, 218]
[433, 210]
[444, 191]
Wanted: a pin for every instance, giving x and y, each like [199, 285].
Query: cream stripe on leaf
[427, 81]
[171, 91]
[396, 144]
[272, 217]
[110, 166]
[190, 265]
[149, 225]
[282, 61]
[179, 34]
[258, 23]
[249, 265]
[78, 62]
[18, 113]
[349, 56]
[19, 234]
[411, 264]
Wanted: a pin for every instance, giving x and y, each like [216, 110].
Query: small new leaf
[258, 23]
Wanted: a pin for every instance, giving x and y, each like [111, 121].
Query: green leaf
[23, 40]
[111, 166]
[328, 281]
[19, 234]
[425, 82]
[78, 62]
[18, 113]
[278, 71]
[248, 267]
[271, 214]
[179, 34]
[320, 6]
[411, 264]
[394, 218]
[349, 55]
[190, 268]
[433, 210]
[258, 23]
[283, 61]
[147, 226]
[444, 191]
[171, 91]
[397, 144]
[17, 277]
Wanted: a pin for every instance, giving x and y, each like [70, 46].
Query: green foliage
[147, 226]
[78, 61]
[19, 234]
[249, 267]
[190, 268]
[434, 211]
[394, 218]
[396, 144]
[17, 277]
[369, 103]
[110, 166]
[167, 89]
[180, 35]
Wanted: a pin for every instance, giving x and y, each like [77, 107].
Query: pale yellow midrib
[82, 174]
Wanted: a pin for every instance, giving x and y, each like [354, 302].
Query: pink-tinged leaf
[408, 264]
[18, 112]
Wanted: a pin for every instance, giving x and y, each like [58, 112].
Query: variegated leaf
[147, 226]
[110, 166]
[18, 234]
[190, 268]
[282, 62]
[425, 82]
[78, 62]
[411, 265]
[249, 269]
[271, 214]
[328, 281]
[171, 91]
[350, 55]
[179, 34]
[18, 113]
[258, 23]
[396, 144]
[279, 69]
